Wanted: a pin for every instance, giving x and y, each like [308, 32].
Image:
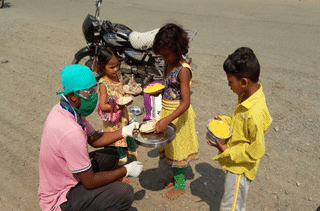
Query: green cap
[76, 77]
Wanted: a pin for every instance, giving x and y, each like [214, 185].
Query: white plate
[148, 127]
[124, 100]
[127, 90]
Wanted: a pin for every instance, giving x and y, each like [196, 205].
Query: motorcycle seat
[142, 40]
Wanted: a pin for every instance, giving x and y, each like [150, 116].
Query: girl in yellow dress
[110, 89]
[171, 42]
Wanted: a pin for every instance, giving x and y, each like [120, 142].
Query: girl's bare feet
[123, 161]
[173, 194]
[161, 154]
[131, 153]
[169, 184]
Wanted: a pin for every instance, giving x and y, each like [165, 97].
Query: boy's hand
[221, 147]
[217, 117]
[209, 143]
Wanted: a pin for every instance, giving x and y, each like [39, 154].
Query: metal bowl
[154, 140]
[213, 138]
[136, 110]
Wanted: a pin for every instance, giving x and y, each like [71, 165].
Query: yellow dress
[185, 147]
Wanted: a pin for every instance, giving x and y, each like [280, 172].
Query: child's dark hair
[173, 37]
[243, 63]
[104, 56]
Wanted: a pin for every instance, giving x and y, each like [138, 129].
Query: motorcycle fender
[88, 50]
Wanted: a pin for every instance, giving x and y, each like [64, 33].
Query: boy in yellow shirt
[241, 154]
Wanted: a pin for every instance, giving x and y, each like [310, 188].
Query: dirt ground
[38, 38]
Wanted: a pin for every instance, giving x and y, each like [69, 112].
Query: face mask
[87, 105]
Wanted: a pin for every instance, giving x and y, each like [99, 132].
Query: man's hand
[127, 130]
[134, 168]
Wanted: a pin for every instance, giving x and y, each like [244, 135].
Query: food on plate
[124, 100]
[219, 128]
[149, 126]
[154, 88]
[132, 87]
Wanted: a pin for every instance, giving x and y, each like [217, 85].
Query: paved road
[284, 34]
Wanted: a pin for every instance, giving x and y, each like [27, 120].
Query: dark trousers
[112, 197]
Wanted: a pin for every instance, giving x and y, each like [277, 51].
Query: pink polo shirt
[63, 151]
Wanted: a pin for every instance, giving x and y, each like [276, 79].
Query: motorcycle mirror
[98, 3]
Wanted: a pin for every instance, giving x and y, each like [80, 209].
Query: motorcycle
[133, 48]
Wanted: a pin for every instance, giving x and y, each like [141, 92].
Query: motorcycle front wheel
[86, 59]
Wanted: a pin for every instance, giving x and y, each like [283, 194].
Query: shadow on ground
[155, 179]
[209, 187]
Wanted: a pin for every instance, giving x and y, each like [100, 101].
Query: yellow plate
[154, 88]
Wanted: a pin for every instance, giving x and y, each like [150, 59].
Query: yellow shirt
[246, 146]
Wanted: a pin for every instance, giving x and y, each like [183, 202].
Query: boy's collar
[253, 98]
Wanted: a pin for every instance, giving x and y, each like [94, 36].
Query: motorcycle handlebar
[108, 24]
[98, 5]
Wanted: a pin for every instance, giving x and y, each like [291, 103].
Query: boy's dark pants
[114, 196]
